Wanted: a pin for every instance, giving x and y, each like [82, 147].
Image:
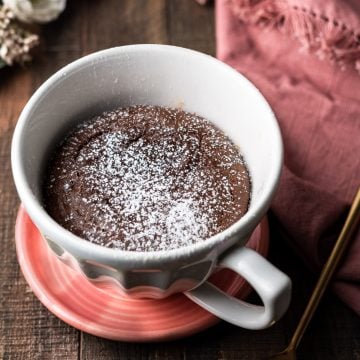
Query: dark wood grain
[27, 329]
[191, 26]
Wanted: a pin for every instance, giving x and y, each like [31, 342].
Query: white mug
[166, 76]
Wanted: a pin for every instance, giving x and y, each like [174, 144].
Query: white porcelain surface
[159, 75]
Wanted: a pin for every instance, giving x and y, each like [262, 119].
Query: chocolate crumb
[147, 178]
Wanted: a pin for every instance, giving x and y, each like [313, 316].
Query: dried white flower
[40, 11]
[15, 42]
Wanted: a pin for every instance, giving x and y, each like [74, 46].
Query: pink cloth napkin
[317, 104]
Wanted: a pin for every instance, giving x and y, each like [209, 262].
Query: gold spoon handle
[328, 270]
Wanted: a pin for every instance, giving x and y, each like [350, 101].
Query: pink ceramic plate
[76, 301]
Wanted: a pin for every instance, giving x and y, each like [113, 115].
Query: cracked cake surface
[146, 178]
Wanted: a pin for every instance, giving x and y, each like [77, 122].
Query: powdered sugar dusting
[147, 178]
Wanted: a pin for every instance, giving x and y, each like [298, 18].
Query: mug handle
[273, 287]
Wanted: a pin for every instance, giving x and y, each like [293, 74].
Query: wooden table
[30, 331]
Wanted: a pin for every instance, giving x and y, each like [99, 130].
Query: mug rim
[100, 253]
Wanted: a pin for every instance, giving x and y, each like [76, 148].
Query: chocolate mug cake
[146, 178]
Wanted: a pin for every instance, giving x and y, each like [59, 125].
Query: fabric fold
[318, 109]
